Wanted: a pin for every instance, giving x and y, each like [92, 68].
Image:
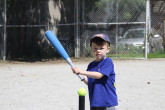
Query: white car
[134, 37]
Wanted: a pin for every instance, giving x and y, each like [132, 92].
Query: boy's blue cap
[102, 36]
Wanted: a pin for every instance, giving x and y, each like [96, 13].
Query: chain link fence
[157, 36]
[27, 21]
[73, 22]
[118, 19]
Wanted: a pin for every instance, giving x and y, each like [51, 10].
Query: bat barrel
[58, 46]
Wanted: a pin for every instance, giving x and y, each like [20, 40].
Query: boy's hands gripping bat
[57, 45]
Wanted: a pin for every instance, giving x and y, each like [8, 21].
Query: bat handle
[71, 64]
[81, 77]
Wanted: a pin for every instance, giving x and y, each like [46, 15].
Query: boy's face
[99, 51]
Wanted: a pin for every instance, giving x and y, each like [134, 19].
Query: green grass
[160, 54]
[126, 51]
[139, 55]
[130, 51]
[128, 55]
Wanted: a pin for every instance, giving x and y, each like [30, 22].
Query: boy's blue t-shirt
[102, 92]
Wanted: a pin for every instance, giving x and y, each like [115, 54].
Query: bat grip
[71, 64]
[80, 76]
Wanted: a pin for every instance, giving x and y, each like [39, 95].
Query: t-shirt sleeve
[107, 68]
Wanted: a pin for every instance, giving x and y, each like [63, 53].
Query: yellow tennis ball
[81, 92]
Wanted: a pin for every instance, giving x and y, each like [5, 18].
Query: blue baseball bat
[60, 49]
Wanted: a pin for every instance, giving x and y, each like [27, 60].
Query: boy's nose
[98, 50]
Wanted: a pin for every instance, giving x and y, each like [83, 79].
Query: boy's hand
[77, 70]
[80, 71]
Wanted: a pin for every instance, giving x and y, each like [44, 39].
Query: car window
[134, 34]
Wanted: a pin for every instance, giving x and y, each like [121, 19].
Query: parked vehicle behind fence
[133, 37]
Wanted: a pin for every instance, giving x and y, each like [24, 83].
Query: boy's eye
[98, 49]
[95, 49]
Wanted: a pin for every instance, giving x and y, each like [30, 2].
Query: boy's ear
[108, 49]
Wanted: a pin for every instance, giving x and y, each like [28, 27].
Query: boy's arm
[85, 80]
[91, 74]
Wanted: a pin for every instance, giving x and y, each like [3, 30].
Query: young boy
[100, 75]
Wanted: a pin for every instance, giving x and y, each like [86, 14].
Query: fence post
[4, 34]
[117, 27]
[147, 26]
[76, 30]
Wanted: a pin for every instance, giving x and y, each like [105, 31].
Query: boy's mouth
[98, 55]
